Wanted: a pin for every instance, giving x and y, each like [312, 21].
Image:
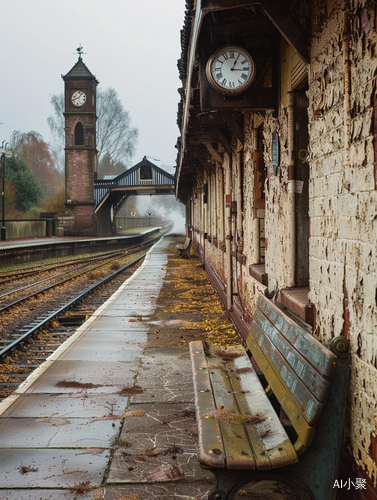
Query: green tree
[31, 148]
[27, 188]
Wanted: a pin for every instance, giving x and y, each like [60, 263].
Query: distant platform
[18, 251]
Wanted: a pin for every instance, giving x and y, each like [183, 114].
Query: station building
[277, 169]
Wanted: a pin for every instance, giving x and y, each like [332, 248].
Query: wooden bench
[184, 248]
[277, 416]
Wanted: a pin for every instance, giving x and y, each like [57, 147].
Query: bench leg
[229, 482]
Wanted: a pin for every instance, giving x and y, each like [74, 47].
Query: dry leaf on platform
[134, 413]
[233, 417]
[166, 473]
[26, 468]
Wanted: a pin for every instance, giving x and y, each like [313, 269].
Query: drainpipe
[347, 86]
[256, 227]
[228, 231]
[291, 257]
[205, 205]
[239, 197]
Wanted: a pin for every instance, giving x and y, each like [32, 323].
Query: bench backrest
[296, 366]
[187, 242]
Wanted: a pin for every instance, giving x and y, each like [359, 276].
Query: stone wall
[343, 202]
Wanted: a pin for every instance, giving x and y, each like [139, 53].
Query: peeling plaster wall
[276, 191]
[343, 201]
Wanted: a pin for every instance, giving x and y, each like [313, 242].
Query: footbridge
[109, 194]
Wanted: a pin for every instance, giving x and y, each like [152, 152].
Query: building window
[79, 135]
[146, 173]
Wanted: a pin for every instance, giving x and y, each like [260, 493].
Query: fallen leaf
[92, 451]
[151, 453]
[54, 421]
[26, 468]
[83, 487]
[166, 473]
[135, 413]
[244, 370]
[233, 417]
[131, 391]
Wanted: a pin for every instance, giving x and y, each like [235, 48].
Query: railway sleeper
[39, 351]
[42, 358]
[26, 366]
[45, 345]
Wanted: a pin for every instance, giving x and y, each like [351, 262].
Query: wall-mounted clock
[230, 70]
[78, 98]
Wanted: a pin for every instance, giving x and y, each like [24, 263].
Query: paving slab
[120, 324]
[131, 310]
[41, 494]
[130, 333]
[66, 406]
[96, 349]
[106, 378]
[183, 491]
[54, 468]
[53, 432]
[161, 446]
[168, 378]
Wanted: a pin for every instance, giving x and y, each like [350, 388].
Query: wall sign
[275, 151]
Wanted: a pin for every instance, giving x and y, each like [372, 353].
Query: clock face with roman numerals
[230, 70]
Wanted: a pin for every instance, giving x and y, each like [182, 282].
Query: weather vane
[80, 50]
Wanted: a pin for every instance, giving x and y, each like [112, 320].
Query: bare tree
[115, 135]
[57, 124]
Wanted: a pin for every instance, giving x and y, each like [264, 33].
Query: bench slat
[208, 428]
[239, 454]
[312, 350]
[304, 399]
[295, 414]
[268, 439]
[317, 384]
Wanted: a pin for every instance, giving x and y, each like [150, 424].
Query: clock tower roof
[79, 71]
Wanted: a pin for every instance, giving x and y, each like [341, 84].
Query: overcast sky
[130, 45]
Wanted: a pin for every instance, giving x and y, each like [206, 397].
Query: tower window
[79, 135]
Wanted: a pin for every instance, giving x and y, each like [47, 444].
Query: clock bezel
[81, 93]
[228, 91]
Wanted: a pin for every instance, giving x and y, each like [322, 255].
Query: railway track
[20, 294]
[24, 348]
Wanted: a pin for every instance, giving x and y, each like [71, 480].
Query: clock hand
[235, 62]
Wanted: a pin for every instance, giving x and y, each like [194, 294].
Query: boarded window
[79, 135]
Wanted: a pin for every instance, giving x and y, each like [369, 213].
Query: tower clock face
[230, 70]
[78, 98]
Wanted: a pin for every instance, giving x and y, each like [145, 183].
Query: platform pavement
[78, 424]
[18, 242]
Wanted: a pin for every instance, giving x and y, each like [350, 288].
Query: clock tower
[80, 147]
